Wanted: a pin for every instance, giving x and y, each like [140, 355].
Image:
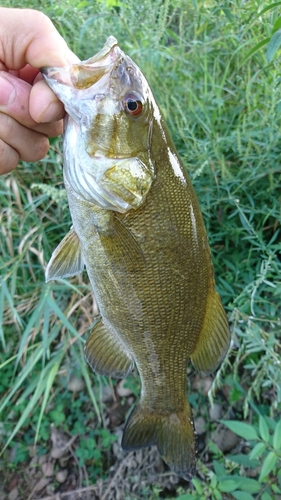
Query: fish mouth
[85, 74]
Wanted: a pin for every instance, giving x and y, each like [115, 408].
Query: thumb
[29, 37]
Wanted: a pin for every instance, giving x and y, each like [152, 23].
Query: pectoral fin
[106, 354]
[214, 338]
[121, 247]
[67, 259]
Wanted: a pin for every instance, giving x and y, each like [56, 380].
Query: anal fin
[106, 354]
[214, 339]
[67, 259]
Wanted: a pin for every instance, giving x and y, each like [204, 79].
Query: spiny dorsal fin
[214, 339]
[106, 353]
[67, 259]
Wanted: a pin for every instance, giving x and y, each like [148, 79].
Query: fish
[138, 230]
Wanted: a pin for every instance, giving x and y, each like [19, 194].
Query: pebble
[123, 391]
[50, 489]
[75, 383]
[225, 439]
[32, 451]
[61, 476]
[13, 495]
[33, 462]
[215, 412]
[41, 484]
[107, 395]
[63, 461]
[200, 425]
[42, 459]
[202, 384]
[48, 469]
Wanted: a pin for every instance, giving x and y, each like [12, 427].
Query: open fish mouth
[85, 74]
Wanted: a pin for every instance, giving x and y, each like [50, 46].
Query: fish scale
[138, 229]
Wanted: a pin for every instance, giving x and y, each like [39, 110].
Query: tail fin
[172, 433]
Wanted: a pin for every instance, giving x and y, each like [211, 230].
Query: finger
[9, 158]
[29, 144]
[28, 74]
[15, 97]
[44, 106]
[28, 36]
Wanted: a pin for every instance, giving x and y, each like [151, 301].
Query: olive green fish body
[148, 260]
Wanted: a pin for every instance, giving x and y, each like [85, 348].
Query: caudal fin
[172, 433]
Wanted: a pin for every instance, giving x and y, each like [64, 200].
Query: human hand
[29, 111]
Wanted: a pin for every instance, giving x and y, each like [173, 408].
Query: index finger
[29, 37]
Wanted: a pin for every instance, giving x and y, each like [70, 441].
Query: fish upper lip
[83, 74]
[110, 43]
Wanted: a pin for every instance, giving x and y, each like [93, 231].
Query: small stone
[33, 462]
[42, 459]
[225, 439]
[59, 440]
[13, 495]
[50, 489]
[63, 461]
[58, 452]
[253, 472]
[123, 391]
[32, 451]
[61, 476]
[215, 412]
[107, 395]
[41, 484]
[75, 384]
[202, 384]
[200, 425]
[48, 469]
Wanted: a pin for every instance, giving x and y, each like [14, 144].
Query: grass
[206, 63]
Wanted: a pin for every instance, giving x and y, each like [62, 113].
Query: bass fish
[138, 229]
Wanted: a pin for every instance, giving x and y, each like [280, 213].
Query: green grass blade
[273, 46]
[22, 376]
[50, 377]
[89, 387]
[33, 322]
[2, 299]
[63, 318]
[30, 406]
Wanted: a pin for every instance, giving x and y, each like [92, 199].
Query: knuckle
[6, 125]
[9, 158]
[40, 148]
[40, 18]
[55, 129]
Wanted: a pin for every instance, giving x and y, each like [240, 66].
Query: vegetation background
[214, 68]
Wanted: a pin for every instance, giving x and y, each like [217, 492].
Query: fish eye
[132, 105]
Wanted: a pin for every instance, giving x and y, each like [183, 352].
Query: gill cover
[108, 131]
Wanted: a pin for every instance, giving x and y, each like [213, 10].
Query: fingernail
[7, 91]
[52, 112]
